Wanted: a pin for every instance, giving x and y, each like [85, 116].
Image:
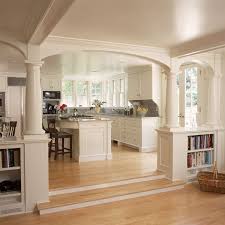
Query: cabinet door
[134, 87]
[3, 84]
[53, 84]
[146, 85]
[115, 132]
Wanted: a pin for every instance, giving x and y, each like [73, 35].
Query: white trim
[109, 200]
[105, 185]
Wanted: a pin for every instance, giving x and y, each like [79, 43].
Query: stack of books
[197, 159]
[200, 142]
[9, 158]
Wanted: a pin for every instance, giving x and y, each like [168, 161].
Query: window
[67, 92]
[191, 96]
[82, 93]
[96, 90]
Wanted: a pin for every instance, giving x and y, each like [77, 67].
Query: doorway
[189, 96]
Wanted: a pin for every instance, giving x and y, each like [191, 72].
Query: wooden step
[156, 175]
[106, 195]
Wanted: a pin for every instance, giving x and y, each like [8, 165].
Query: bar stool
[55, 136]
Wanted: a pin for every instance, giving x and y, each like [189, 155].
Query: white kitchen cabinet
[146, 85]
[140, 86]
[51, 84]
[138, 132]
[134, 87]
[3, 84]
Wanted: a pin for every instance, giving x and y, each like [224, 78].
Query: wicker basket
[212, 181]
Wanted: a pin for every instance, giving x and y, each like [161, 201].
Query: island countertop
[91, 137]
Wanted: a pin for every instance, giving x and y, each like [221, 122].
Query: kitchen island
[91, 137]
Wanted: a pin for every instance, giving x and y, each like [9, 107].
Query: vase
[97, 109]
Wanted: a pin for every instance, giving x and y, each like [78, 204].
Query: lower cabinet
[137, 132]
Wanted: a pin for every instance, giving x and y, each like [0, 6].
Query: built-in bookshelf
[11, 179]
[200, 153]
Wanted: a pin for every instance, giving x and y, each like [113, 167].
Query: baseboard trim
[105, 185]
[109, 200]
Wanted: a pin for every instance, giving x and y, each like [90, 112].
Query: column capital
[171, 74]
[34, 62]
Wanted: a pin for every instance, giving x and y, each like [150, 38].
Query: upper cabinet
[140, 86]
[51, 84]
[3, 83]
[145, 84]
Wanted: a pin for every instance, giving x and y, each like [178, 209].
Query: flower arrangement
[98, 103]
[142, 110]
[61, 108]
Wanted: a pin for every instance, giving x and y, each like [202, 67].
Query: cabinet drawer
[133, 123]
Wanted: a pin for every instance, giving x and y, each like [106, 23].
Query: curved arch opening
[193, 86]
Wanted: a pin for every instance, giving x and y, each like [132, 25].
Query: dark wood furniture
[12, 128]
[55, 136]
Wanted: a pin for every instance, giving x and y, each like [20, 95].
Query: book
[16, 157]
[1, 161]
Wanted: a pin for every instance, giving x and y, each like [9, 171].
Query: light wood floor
[187, 206]
[126, 163]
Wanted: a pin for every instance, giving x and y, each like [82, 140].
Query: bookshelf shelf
[200, 167]
[201, 150]
[11, 179]
[10, 194]
[10, 168]
[200, 153]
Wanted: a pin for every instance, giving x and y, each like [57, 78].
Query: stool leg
[63, 147]
[50, 149]
[56, 147]
[71, 147]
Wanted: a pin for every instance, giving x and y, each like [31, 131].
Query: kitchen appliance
[2, 104]
[49, 108]
[51, 95]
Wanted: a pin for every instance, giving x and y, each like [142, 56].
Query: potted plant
[61, 109]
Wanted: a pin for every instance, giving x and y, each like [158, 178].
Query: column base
[172, 129]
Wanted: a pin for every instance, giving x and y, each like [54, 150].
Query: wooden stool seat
[55, 136]
[61, 135]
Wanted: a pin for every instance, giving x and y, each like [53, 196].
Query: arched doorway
[193, 86]
[122, 130]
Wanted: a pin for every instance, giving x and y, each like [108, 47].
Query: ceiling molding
[200, 45]
[57, 45]
[49, 19]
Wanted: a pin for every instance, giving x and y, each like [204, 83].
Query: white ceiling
[163, 23]
[92, 64]
[18, 16]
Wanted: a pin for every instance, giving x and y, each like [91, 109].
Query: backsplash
[150, 104]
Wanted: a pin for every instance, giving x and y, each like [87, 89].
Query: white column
[212, 112]
[171, 101]
[33, 105]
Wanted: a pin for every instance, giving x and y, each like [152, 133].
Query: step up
[106, 195]
[145, 177]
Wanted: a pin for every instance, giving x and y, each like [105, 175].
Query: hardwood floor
[187, 206]
[126, 163]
